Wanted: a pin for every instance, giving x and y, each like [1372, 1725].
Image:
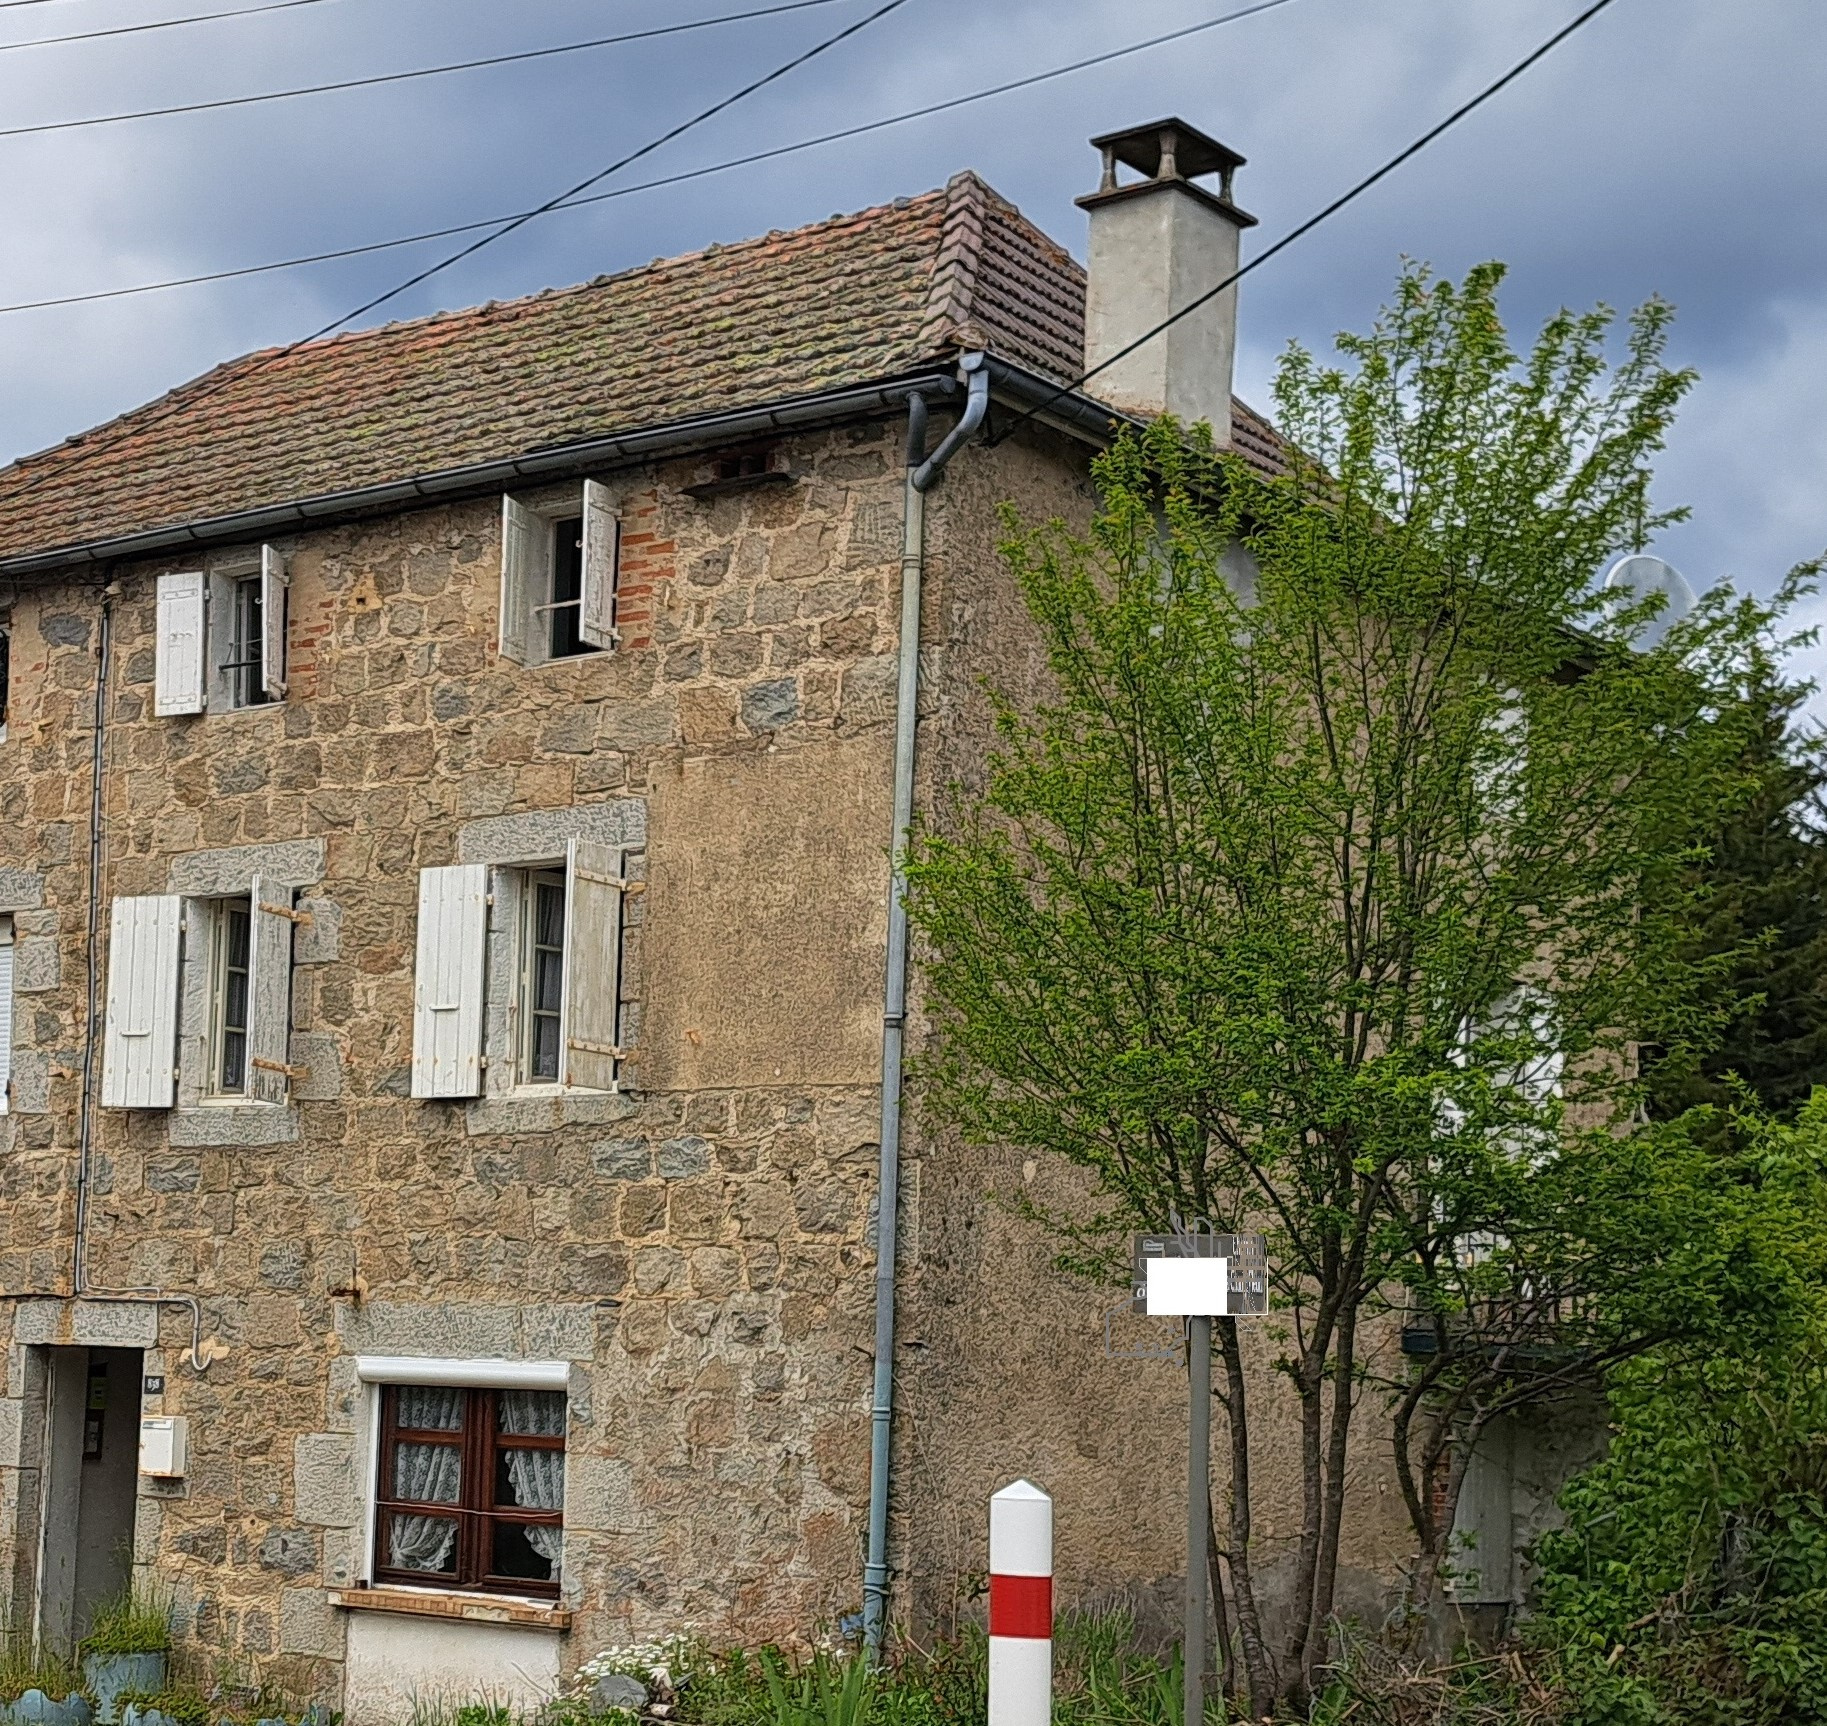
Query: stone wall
[699, 1249]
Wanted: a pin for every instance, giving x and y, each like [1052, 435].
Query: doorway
[91, 1487]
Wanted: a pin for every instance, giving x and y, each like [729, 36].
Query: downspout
[85, 1140]
[922, 472]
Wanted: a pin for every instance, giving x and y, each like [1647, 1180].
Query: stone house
[446, 798]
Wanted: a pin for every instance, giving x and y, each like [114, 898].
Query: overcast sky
[1666, 149]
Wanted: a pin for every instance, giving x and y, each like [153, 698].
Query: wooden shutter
[602, 535]
[269, 992]
[179, 675]
[141, 1038]
[273, 582]
[523, 537]
[6, 1012]
[593, 964]
[448, 982]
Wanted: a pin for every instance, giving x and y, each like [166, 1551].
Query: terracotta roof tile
[847, 301]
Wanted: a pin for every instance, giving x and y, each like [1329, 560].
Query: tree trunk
[1259, 1663]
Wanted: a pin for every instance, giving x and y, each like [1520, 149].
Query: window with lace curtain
[472, 1488]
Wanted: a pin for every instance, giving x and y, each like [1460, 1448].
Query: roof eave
[1078, 415]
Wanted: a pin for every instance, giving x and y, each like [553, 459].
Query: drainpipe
[922, 472]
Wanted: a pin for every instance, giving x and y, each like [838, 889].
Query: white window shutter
[594, 887]
[448, 982]
[179, 675]
[6, 1013]
[602, 537]
[269, 992]
[139, 1048]
[522, 546]
[273, 580]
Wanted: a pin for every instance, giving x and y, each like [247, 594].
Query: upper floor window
[544, 942]
[472, 1488]
[244, 670]
[221, 637]
[230, 937]
[6, 670]
[558, 571]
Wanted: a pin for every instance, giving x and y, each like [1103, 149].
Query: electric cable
[72, 457]
[369, 82]
[1312, 221]
[157, 24]
[722, 167]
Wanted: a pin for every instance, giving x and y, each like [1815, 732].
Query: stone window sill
[436, 1603]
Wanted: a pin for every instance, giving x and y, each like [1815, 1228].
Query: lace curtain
[427, 1474]
[537, 1476]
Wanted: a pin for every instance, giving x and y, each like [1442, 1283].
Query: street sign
[1245, 1277]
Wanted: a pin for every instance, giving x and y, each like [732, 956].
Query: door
[91, 1487]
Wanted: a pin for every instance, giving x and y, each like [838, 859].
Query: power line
[75, 456]
[160, 24]
[404, 77]
[1314, 220]
[778, 150]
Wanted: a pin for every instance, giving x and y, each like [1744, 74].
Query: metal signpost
[1196, 1275]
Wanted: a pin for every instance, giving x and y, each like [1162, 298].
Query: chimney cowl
[1168, 152]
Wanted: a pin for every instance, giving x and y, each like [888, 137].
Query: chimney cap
[1169, 149]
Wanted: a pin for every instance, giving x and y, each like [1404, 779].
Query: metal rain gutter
[592, 454]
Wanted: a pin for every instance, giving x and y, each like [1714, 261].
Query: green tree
[1689, 1584]
[1760, 902]
[1334, 884]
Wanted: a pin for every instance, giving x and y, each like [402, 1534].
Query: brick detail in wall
[646, 560]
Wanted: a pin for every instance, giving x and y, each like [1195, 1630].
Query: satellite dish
[1633, 579]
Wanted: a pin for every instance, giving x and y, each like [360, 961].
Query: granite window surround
[511, 845]
[201, 877]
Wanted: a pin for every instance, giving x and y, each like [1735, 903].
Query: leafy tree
[1760, 900]
[1332, 887]
[1689, 1584]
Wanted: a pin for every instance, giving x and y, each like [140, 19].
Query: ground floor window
[472, 1488]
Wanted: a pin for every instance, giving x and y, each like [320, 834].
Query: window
[6, 1012]
[221, 969]
[530, 955]
[231, 996]
[564, 609]
[558, 571]
[542, 976]
[244, 668]
[221, 637]
[472, 1488]
[6, 666]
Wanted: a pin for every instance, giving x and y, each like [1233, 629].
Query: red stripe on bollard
[1021, 1606]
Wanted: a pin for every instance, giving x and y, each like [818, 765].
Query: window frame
[8, 1018]
[478, 1442]
[216, 1046]
[6, 670]
[529, 606]
[527, 949]
[244, 670]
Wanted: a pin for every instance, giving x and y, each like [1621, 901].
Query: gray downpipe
[922, 471]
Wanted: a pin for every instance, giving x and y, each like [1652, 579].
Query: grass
[136, 1621]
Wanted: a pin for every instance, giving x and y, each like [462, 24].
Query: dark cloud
[1675, 147]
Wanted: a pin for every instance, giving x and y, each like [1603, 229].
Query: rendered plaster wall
[1005, 1370]
[698, 1248]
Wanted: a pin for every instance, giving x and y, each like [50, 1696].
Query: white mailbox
[162, 1446]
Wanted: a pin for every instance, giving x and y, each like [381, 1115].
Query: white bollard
[1021, 1606]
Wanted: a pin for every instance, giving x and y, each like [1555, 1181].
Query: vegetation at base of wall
[135, 1621]
[25, 1667]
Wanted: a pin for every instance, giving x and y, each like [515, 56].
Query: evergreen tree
[1762, 909]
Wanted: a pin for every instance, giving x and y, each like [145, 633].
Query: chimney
[1157, 244]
